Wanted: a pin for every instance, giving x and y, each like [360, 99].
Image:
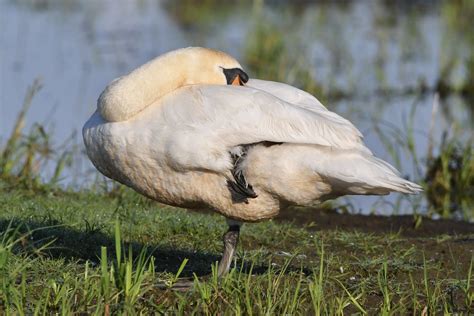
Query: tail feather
[361, 173]
[390, 178]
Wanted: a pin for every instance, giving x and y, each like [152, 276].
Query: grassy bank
[103, 251]
[106, 253]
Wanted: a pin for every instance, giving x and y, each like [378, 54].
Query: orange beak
[237, 81]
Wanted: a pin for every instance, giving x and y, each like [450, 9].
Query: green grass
[100, 253]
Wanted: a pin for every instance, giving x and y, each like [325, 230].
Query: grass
[84, 252]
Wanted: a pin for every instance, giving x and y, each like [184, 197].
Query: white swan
[182, 130]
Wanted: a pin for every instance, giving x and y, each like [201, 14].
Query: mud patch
[317, 219]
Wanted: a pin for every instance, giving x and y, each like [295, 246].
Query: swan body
[176, 149]
[171, 128]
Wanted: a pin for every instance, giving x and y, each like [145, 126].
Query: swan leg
[230, 238]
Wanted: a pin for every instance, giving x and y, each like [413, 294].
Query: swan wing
[210, 121]
[288, 93]
[296, 97]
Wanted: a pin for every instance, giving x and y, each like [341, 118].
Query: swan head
[208, 66]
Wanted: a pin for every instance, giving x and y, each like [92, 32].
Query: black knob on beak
[234, 74]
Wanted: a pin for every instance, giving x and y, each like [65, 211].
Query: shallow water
[360, 48]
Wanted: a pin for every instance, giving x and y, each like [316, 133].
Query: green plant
[316, 287]
[127, 275]
[383, 282]
[24, 155]
[450, 178]
[14, 244]
[467, 289]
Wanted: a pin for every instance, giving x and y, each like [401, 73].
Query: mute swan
[190, 129]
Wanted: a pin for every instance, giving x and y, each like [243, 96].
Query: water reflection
[374, 62]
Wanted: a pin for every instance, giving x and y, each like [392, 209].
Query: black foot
[240, 187]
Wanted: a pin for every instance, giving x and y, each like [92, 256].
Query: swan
[191, 129]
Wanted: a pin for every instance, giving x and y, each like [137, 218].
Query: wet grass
[96, 253]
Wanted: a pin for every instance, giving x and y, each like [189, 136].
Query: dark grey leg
[230, 238]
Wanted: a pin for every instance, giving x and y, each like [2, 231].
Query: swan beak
[235, 76]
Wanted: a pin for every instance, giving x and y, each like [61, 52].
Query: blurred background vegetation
[402, 71]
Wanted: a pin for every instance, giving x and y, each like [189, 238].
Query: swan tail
[360, 173]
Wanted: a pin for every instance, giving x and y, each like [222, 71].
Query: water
[360, 48]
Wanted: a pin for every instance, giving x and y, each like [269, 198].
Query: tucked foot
[240, 187]
[241, 190]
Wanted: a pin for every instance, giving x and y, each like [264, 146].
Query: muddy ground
[316, 219]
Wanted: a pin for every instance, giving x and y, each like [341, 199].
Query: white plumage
[177, 149]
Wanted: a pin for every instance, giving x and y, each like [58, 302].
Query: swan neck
[126, 96]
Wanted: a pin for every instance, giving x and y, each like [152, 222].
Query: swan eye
[235, 76]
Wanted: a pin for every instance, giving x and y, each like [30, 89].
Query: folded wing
[210, 121]
[288, 94]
